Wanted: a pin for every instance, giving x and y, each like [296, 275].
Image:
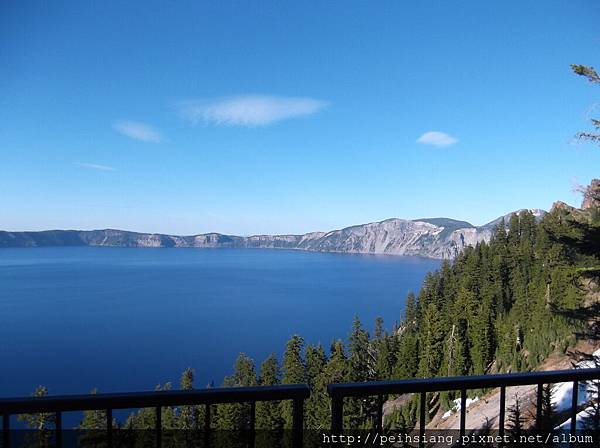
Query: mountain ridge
[441, 238]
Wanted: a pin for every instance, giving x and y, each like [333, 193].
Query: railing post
[207, 425]
[158, 427]
[502, 411]
[58, 429]
[298, 422]
[6, 430]
[337, 414]
[379, 425]
[253, 423]
[109, 428]
[463, 412]
[574, 399]
[422, 410]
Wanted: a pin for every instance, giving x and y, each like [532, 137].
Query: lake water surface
[123, 319]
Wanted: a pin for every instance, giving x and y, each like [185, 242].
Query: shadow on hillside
[588, 314]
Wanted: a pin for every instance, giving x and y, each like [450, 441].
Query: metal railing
[297, 393]
[380, 389]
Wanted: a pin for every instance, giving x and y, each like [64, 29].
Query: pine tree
[378, 333]
[245, 373]
[268, 413]
[188, 417]
[294, 369]
[315, 362]
[95, 419]
[294, 372]
[237, 415]
[408, 356]
[338, 367]
[499, 269]
[93, 427]
[361, 356]
[337, 370]
[516, 420]
[549, 417]
[433, 343]
[484, 340]
[42, 423]
[228, 416]
[362, 368]
[145, 419]
[461, 359]
[385, 356]
[593, 77]
[410, 313]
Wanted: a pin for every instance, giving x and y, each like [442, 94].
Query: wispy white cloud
[138, 131]
[95, 166]
[437, 138]
[248, 110]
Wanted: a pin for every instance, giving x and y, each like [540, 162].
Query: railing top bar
[460, 382]
[151, 399]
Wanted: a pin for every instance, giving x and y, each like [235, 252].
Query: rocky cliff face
[434, 238]
[397, 237]
[591, 198]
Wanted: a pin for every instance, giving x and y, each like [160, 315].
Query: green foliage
[362, 368]
[237, 415]
[548, 412]
[516, 420]
[593, 77]
[294, 372]
[93, 427]
[43, 423]
[146, 418]
[188, 417]
[432, 348]
[268, 413]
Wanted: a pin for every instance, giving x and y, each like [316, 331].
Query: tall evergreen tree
[361, 356]
[188, 417]
[237, 415]
[433, 342]
[294, 372]
[42, 423]
[268, 413]
[315, 362]
[516, 420]
[362, 368]
[549, 416]
[337, 370]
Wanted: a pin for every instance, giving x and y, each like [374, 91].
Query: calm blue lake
[126, 319]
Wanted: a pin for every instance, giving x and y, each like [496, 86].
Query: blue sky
[287, 117]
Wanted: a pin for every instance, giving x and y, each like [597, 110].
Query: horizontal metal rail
[130, 400]
[460, 382]
[156, 399]
[423, 386]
